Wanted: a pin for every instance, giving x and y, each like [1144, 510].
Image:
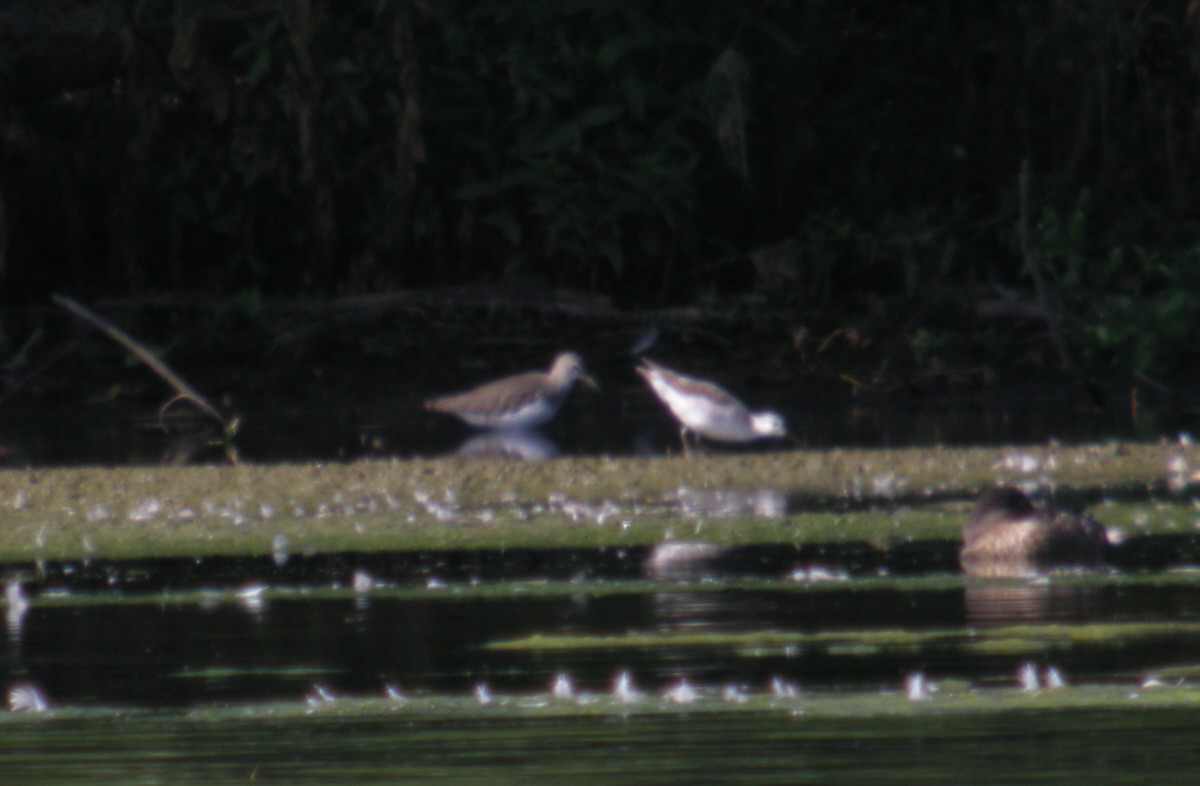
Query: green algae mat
[795, 497]
[999, 736]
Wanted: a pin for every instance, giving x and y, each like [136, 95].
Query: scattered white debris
[1052, 678]
[1025, 463]
[319, 695]
[97, 513]
[681, 693]
[562, 688]
[1180, 474]
[146, 509]
[624, 690]
[608, 509]
[1027, 677]
[817, 573]
[576, 509]
[362, 581]
[783, 689]
[26, 697]
[446, 510]
[251, 591]
[734, 694]
[916, 688]
[888, 484]
[253, 598]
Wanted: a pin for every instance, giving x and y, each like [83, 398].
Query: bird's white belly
[526, 416]
[702, 415]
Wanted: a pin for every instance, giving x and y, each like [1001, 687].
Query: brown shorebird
[519, 402]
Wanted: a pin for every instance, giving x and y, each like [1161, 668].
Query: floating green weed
[1007, 639]
[825, 496]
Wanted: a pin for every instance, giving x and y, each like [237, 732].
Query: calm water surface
[178, 650]
[623, 420]
[184, 686]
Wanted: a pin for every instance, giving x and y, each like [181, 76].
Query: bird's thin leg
[687, 451]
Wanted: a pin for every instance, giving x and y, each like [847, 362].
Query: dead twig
[185, 391]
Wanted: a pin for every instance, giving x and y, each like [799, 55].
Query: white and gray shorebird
[518, 402]
[708, 410]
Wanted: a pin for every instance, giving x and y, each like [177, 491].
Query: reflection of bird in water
[1006, 602]
[512, 445]
[707, 410]
[1007, 535]
[16, 606]
[767, 503]
[519, 402]
[682, 559]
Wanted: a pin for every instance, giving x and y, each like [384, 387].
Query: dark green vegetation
[857, 162]
[1111, 741]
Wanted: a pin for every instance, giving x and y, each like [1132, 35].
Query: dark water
[622, 420]
[177, 650]
[178, 687]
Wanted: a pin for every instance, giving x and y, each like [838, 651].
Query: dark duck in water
[1008, 535]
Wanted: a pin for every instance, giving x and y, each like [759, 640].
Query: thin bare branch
[143, 354]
